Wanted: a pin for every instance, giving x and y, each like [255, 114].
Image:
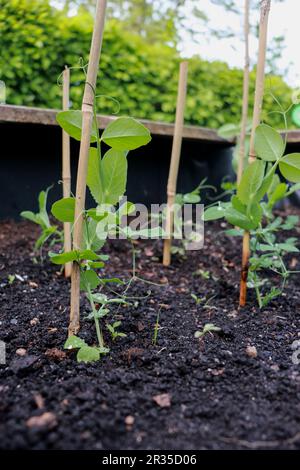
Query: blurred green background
[139, 63]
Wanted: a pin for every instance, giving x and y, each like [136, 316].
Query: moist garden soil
[180, 393]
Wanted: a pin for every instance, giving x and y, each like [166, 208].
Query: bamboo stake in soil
[66, 170]
[245, 95]
[87, 120]
[175, 158]
[259, 93]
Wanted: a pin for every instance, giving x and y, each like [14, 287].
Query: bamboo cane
[175, 158]
[87, 120]
[258, 101]
[245, 96]
[66, 169]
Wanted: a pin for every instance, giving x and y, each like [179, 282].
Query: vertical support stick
[66, 168]
[245, 96]
[259, 93]
[175, 158]
[87, 120]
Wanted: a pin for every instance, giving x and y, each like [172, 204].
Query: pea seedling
[197, 299]
[208, 328]
[113, 329]
[41, 218]
[245, 210]
[106, 180]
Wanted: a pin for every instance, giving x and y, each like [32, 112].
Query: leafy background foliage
[37, 40]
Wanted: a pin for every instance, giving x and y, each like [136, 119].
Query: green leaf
[290, 222]
[126, 209]
[64, 258]
[89, 279]
[292, 189]
[90, 236]
[251, 181]
[269, 145]
[113, 279]
[228, 131]
[64, 209]
[29, 216]
[126, 134]
[71, 122]
[238, 205]
[88, 255]
[94, 180]
[238, 219]
[288, 247]
[274, 183]
[97, 264]
[191, 198]
[278, 193]
[267, 181]
[43, 215]
[289, 166]
[44, 237]
[255, 214]
[214, 213]
[88, 354]
[73, 342]
[114, 171]
[107, 178]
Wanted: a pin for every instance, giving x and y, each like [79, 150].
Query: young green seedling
[197, 299]
[11, 279]
[246, 209]
[41, 218]
[106, 180]
[156, 328]
[208, 328]
[113, 329]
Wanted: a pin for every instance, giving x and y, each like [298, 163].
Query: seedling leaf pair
[124, 133]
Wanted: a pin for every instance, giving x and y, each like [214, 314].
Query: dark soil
[215, 395]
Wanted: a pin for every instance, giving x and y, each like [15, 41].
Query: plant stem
[133, 259]
[245, 267]
[258, 100]
[97, 323]
[87, 120]
[258, 296]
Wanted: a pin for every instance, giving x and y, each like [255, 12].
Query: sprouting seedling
[85, 353]
[197, 299]
[41, 218]
[246, 209]
[156, 328]
[113, 329]
[106, 179]
[11, 278]
[268, 255]
[208, 328]
[203, 273]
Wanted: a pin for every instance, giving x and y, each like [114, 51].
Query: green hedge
[36, 41]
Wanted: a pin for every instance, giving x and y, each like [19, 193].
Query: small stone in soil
[251, 351]
[21, 352]
[163, 400]
[129, 421]
[46, 420]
